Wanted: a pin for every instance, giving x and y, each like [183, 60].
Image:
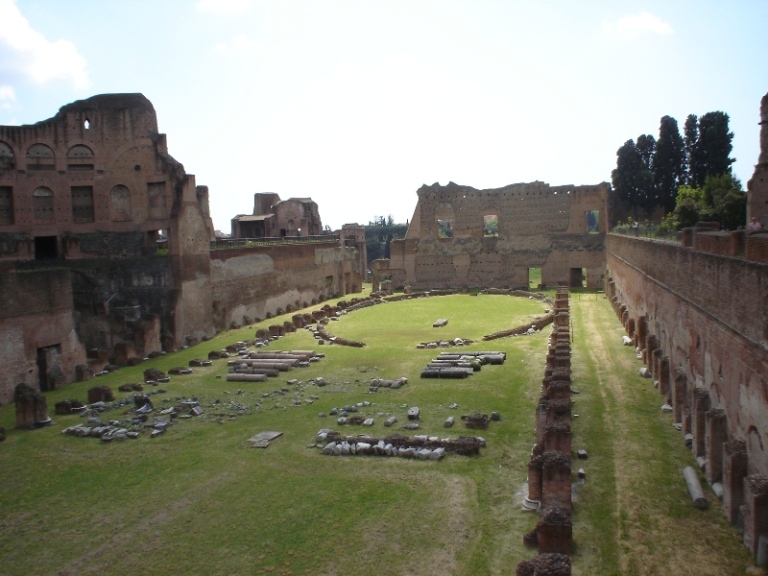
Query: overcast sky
[357, 103]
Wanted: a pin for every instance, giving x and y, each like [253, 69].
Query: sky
[357, 103]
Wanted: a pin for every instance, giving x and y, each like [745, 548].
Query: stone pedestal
[31, 408]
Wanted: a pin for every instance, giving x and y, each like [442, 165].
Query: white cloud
[223, 6]
[7, 93]
[636, 24]
[35, 56]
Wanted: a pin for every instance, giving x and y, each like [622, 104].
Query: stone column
[717, 435]
[533, 499]
[755, 510]
[734, 471]
[700, 407]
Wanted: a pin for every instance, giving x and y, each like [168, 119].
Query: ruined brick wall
[708, 316]
[92, 190]
[36, 328]
[539, 226]
[250, 283]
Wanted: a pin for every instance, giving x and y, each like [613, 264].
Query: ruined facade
[273, 217]
[105, 248]
[463, 237]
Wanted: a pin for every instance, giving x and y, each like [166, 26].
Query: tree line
[686, 178]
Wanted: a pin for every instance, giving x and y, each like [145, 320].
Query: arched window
[6, 157]
[80, 157]
[120, 203]
[43, 204]
[40, 157]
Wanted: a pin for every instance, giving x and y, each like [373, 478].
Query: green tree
[708, 144]
[632, 178]
[721, 199]
[693, 165]
[669, 171]
[715, 144]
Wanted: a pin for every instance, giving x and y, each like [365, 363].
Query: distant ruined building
[273, 217]
[460, 237]
[105, 249]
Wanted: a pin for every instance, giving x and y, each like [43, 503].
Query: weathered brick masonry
[559, 229]
[105, 247]
[706, 316]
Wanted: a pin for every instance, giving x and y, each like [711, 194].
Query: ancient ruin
[463, 237]
[106, 252]
[274, 217]
[698, 314]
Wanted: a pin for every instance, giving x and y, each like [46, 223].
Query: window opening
[593, 221]
[491, 225]
[46, 248]
[445, 229]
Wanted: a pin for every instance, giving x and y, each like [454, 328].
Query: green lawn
[200, 500]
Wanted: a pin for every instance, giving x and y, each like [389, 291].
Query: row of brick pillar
[723, 458]
[549, 467]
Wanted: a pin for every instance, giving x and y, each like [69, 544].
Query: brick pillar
[556, 479]
[700, 407]
[555, 531]
[651, 343]
[734, 471]
[664, 376]
[717, 435]
[557, 437]
[541, 419]
[656, 364]
[755, 510]
[678, 394]
[558, 390]
[559, 410]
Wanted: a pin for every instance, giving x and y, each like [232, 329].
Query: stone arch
[6, 157]
[120, 203]
[42, 199]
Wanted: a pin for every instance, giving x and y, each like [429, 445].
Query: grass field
[200, 500]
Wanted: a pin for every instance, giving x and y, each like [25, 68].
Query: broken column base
[531, 505]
